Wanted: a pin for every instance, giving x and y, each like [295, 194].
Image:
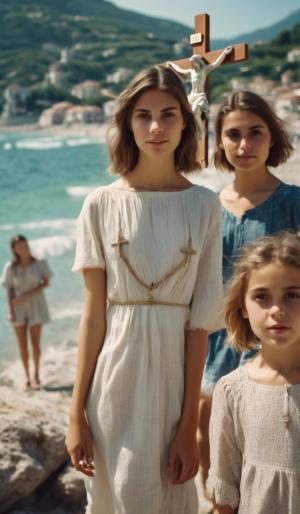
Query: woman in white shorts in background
[25, 278]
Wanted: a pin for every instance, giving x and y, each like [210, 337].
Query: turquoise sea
[43, 181]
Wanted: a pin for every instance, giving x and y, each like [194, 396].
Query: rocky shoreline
[35, 473]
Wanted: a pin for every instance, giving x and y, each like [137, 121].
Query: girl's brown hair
[123, 150]
[247, 101]
[283, 248]
[14, 240]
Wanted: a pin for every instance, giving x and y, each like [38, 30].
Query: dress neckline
[148, 191]
[258, 206]
[277, 387]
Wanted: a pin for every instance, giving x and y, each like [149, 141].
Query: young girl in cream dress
[255, 422]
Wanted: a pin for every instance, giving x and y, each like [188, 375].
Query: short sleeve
[206, 305]
[6, 278]
[225, 456]
[44, 269]
[89, 252]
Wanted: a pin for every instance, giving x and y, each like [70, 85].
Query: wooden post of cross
[200, 42]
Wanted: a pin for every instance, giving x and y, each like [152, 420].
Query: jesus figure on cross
[197, 75]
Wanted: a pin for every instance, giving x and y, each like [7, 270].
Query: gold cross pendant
[120, 241]
[188, 250]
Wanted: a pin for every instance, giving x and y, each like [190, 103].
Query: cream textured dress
[162, 256]
[255, 445]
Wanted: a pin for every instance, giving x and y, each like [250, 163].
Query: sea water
[43, 182]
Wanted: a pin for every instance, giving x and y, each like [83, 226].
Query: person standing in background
[25, 278]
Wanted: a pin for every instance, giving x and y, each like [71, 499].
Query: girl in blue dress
[250, 138]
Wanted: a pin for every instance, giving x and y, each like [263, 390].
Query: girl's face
[246, 141]
[272, 305]
[157, 123]
[21, 249]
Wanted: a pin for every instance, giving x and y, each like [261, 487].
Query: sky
[227, 17]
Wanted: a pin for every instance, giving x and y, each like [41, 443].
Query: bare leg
[204, 417]
[21, 333]
[35, 334]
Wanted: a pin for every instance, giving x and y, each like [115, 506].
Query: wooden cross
[200, 43]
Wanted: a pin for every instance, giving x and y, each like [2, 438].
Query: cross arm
[239, 53]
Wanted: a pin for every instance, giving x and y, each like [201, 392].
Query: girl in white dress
[25, 278]
[150, 253]
[255, 423]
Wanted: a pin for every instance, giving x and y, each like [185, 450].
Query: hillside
[265, 34]
[102, 38]
[268, 59]
[33, 32]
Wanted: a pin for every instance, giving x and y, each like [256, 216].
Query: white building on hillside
[294, 55]
[83, 114]
[120, 76]
[87, 89]
[55, 115]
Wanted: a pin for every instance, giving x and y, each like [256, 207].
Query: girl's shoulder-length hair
[123, 150]
[14, 240]
[281, 147]
[284, 249]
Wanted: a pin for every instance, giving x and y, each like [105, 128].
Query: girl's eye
[234, 135]
[168, 114]
[255, 133]
[143, 115]
[260, 297]
[292, 295]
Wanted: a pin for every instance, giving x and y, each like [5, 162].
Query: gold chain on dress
[187, 250]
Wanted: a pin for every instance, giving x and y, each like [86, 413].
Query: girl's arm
[184, 450]
[10, 303]
[226, 446]
[44, 283]
[91, 336]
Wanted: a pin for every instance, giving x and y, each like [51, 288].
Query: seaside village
[284, 96]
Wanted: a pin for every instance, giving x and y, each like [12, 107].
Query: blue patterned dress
[280, 211]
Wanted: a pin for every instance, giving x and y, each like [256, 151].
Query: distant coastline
[95, 130]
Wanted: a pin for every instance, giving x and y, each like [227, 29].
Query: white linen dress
[255, 445]
[162, 256]
[33, 310]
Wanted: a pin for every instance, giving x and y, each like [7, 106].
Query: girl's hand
[19, 299]
[11, 316]
[183, 459]
[79, 445]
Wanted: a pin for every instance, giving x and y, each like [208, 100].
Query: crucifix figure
[198, 75]
[197, 69]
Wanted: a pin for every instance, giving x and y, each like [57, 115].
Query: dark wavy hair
[281, 148]
[124, 153]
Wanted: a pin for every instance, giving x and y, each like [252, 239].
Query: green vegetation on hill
[268, 59]
[101, 38]
[33, 32]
